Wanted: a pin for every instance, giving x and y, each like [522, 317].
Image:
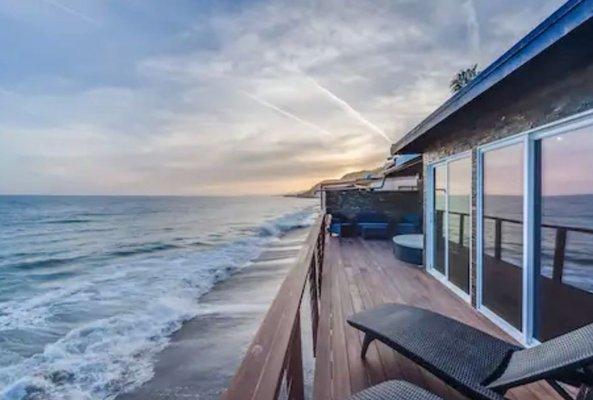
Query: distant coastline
[313, 192]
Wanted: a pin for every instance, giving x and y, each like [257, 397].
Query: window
[564, 214]
[502, 236]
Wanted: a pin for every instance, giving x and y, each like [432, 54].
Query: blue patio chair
[341, 226]
[372, 225]
[409, 224]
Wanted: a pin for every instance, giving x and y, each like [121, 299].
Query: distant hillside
[350, 176]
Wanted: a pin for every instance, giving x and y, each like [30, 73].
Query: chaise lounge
[473, 362]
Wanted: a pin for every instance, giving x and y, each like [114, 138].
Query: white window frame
[528, 139]
[430, 240]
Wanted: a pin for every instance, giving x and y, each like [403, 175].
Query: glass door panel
[565, 279]
[459, 201]
[502, 238]
[439, 209]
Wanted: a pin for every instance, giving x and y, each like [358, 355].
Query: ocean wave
[69, 221]
[144, 300]
[144, 249]
[287, 223]
[201, 243]
[44, 263]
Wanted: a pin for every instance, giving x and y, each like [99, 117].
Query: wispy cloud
[350, 110]
[72, 11]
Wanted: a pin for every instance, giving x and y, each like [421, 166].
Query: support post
[497, 238]
[559, 252]
[461, 228]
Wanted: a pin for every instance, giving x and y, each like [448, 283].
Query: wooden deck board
[359, 275]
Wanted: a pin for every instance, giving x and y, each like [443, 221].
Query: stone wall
[393, 204]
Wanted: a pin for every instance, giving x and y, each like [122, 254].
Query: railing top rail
[260, 374]
[517, 221]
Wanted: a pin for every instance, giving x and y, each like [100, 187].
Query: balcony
[332, 279]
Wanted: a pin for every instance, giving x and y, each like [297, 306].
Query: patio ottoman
[409, 248]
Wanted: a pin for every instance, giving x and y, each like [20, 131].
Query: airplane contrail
[286, 113]
[71, 11]
[473, 28]
[348, 108]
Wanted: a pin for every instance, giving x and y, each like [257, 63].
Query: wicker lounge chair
[474, 362]
[394, 390]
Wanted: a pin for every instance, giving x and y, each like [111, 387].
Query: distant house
[394, 192]
[508, 187]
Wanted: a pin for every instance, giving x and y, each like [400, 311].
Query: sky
[220, 97]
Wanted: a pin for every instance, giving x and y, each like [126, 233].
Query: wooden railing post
[294, 371]
[497, 238]
[315, 280]
[559, 251]
[319, 251]
[314, 303]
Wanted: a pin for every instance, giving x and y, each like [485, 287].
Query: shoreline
[204, 353]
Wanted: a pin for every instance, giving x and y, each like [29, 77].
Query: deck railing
[559, 243]
[274, 357]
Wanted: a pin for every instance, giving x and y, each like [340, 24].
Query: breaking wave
[97, 334]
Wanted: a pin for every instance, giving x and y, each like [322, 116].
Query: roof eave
[568, 17]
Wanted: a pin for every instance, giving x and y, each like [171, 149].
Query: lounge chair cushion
[458, 354]
[394, 390]
[369, 230]
[371, 217]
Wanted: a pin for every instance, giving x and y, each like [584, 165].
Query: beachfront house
[508, 199]
[506, 193]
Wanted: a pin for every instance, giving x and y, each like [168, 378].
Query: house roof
[402, 164]
[558, 25]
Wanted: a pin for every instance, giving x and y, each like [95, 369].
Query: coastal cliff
[349, 177]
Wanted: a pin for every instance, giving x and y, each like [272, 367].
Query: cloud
[227, 97]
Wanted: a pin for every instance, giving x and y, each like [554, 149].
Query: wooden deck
[360, 274]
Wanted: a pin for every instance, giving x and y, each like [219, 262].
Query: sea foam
[143, 299]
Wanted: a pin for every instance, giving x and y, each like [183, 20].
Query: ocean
[91, 288]
[573, 211]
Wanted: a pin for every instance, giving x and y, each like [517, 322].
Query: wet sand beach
[203, 355]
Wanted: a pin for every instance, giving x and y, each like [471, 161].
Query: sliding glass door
[458, 217]
[450, 233]
[439, 214]
[535, 230]
[564, 216]
[502, 233]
